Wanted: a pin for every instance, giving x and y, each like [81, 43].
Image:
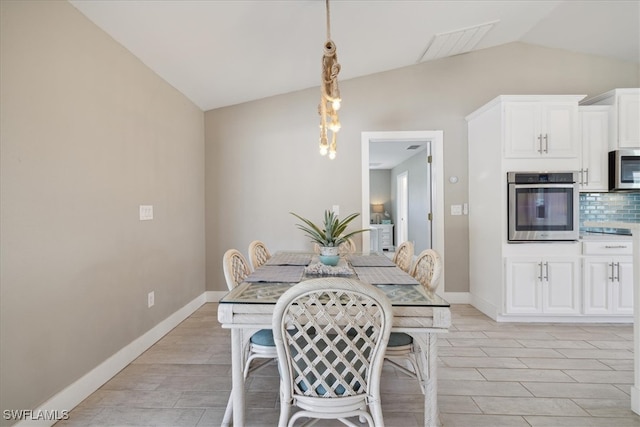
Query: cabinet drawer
[617, 247]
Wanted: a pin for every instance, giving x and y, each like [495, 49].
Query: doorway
[436, 174]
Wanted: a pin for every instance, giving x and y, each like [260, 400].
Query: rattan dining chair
[401, 347]
[427, 269]
[258, 254]
[403, 256]
[347, 247]
[331, 334]
[261, 344]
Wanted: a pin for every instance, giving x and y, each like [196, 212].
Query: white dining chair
[258, 254]
[403, 257]
[426, 270]
[347, 247]
[261, 344]
[331, 334]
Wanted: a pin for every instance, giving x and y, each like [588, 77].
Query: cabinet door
[561, 288]
[558, 128]
[622, 287]
[522, 130]
[594, 135]
[541, 129]
[523, 285]
[598, 276]
[629, 121]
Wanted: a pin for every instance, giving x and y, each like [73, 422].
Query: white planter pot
[328, 250]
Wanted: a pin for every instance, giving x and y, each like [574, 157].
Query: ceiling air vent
[413, 147]
[456, 42]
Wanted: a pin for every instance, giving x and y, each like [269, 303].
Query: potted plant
[329, 235]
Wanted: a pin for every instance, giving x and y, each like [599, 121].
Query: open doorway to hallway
[424, 217]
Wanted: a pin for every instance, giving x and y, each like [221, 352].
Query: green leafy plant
[330, 233]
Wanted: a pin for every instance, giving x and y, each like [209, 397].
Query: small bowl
[329, 259]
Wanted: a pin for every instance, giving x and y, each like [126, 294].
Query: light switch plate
[456, 209]
[146, 212]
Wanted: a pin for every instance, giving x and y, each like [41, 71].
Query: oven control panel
[542, 177]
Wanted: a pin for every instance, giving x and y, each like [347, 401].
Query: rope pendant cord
[330, 94]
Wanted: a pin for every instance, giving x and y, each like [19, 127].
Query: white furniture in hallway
[384, 234]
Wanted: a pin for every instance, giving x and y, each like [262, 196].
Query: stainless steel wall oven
[543, 206]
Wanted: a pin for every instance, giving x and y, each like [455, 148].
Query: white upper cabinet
[624, 121]
[594, 137]
[541, 129]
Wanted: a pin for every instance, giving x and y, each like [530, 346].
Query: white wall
[88, 133]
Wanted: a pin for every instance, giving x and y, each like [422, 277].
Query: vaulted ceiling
[220, 53]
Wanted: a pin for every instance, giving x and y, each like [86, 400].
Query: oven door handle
[568, 185]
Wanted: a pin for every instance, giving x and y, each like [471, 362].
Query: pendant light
[329, 95]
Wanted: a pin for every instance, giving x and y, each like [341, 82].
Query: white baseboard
[484, 306]
[546, 318]
[457, 297]
[75, 393]
[214, 296]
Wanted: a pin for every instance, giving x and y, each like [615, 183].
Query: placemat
[284, 258]
[384, 276]
[370, 261]
[277, 274]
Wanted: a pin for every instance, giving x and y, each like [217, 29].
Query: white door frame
[437, 183]
[402, 197]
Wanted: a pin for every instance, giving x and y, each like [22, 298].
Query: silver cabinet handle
[540, 276]
[617, 276]
[546, 269]
[615, 246]
[546, 143]
[586, 173]
[540, 143]
[612, 275]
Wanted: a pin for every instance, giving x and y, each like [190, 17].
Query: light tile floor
[490, 374]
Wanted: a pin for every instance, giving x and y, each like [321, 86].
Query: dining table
[417, 312]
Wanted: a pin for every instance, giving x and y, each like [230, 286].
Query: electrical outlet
[151, 299]
[456, 209]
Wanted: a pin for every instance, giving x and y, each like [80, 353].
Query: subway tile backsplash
[609, 207]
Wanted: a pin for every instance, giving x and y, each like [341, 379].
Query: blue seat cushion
[263, 337]
[397, 339]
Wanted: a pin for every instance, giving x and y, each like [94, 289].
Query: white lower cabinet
[542, 285]
[608, 285]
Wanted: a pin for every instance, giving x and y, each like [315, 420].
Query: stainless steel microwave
[624, 170]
